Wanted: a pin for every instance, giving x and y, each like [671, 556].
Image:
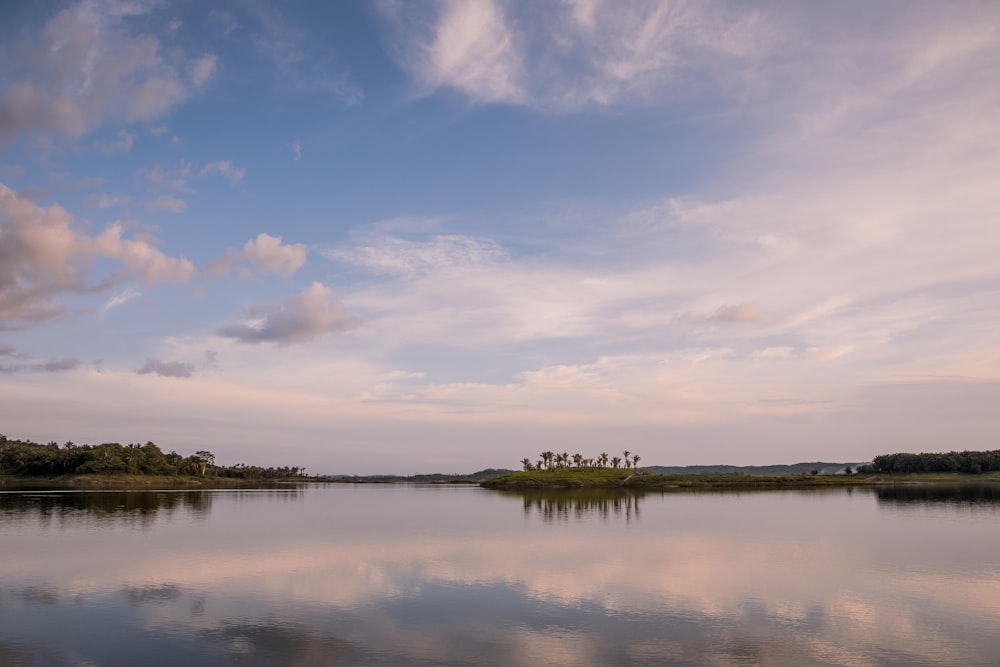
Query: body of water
[451, 575]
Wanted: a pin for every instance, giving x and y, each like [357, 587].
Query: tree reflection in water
[561, 505]
[141, 509]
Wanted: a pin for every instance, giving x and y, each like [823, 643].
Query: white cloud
[567, 55]
[84, 70]
[123, 144]
[127, 295]
[43, 257]
[313, 313]
[138, 257]
[168, 203]
[173, 27]
[226, 169]
[742, 313]
[469, 46]
[167, 179]
[392, 254]
[204, 69]
[264, 253]
[106, 201]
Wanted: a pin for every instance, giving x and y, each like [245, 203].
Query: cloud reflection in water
[396, 576]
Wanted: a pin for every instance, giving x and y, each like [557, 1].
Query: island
[563, 471]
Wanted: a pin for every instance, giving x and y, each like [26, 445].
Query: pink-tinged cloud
[303, 317]
[263, 254]
[743, 313]
[42, 257]
[204, 69]
[84, 69]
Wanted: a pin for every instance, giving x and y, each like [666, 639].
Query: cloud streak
[563, 56]
[226, 169]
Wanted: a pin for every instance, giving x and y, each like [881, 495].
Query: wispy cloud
[393, 254]
[123, 144]
[563, 56]
[226, 169]
[164, 178]
[301, 64]
[168, 203]
[204, 69]
[122, 298]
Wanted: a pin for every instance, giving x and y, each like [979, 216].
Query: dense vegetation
[23, 458]
[967, 462]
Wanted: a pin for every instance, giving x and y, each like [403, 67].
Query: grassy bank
[139, 482]
[571, 478]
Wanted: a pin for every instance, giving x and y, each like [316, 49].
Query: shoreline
[570, 478]
[134, 483]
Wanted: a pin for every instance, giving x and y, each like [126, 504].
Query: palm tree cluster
[549, 460]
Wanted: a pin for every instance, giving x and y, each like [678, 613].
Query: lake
[344, 574]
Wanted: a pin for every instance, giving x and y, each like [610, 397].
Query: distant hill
[822, 467]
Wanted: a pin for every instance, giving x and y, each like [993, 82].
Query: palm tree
[526, 462]
[602, 460]
[615, 460]
[635, 462]
[627, 454]
[578, 459]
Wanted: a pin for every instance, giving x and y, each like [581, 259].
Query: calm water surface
[404, 575]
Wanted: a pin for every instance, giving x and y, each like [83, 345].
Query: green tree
[204, 460]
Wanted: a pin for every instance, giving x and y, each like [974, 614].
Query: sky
[392, 237]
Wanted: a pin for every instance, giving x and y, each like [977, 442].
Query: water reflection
[968, 496]
[138, 508]
[580, 504]
[458, 576]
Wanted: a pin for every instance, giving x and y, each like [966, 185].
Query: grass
[612, 477]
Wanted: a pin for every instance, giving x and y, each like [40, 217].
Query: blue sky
[409, 237]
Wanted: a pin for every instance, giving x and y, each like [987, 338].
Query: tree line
[26, 459]
[966, 461]
[549, 460]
